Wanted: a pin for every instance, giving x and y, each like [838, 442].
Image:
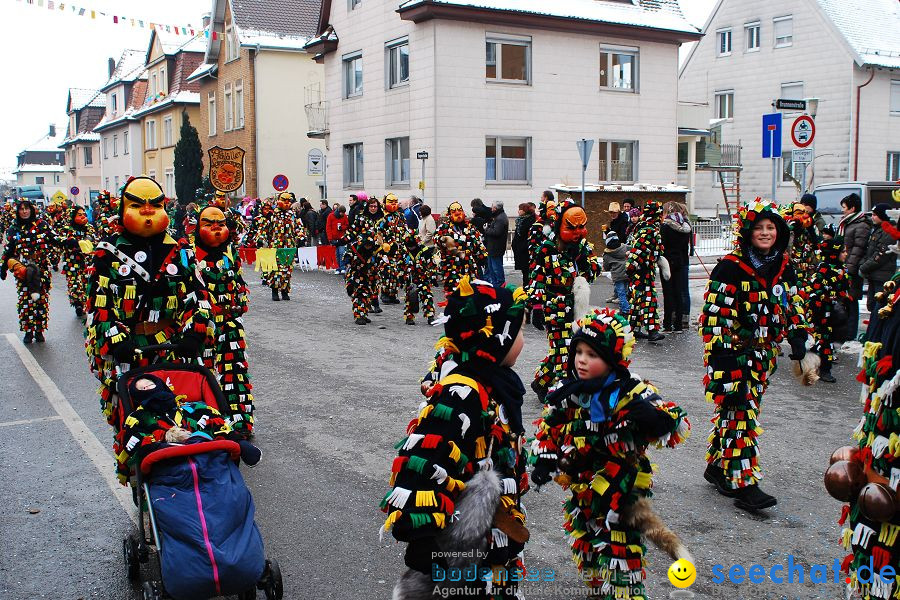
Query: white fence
[713, 238]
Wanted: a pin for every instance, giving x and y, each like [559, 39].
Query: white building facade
[497, 97]
[846, 55]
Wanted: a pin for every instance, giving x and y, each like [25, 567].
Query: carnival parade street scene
[429, 299]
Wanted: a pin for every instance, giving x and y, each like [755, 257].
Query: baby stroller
[200, 510]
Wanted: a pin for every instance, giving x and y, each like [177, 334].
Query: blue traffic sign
[771, 135]
[280, 182]
[74, 190]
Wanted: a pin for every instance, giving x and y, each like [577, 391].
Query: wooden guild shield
[226, 168]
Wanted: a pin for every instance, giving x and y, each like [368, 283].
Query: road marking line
[101, 457]
[30, 421]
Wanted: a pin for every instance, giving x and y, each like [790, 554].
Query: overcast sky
[45, 52]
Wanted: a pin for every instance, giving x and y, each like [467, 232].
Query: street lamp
[812, 107]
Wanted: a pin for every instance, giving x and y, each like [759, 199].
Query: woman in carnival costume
[646, 251]
[363, 269]
[460, 245]
[282, 230]
[394, 235]
[827, 290]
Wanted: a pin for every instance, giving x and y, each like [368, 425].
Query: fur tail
[581, 289]
[641, 516]
[807, 370]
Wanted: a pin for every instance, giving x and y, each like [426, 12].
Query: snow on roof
[656, 14]
[871, 28]
[80, 98]
[47, 143]
[29, 168]
[200, 71]
[266, 39]
[81, 137]
[181, 97]
[129, 68]
[299, 18]
[670, 188]
[172, 44]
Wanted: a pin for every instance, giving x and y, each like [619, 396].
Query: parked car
[829, 196]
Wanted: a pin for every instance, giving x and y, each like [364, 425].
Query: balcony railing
[619, 170]
[730, 155]
[316, 111]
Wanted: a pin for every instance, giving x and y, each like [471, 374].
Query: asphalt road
[333, 398]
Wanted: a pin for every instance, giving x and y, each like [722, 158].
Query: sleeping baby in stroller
[161, 418]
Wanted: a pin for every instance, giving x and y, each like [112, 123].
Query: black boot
[29, 337]
[639, 335]
[79, 311]
[284, 295]
[275, 295]
[39, 337]
[655, 336]
[753, 498]
[376, 308]
[716, 476]
[825, 371]
[361, 320]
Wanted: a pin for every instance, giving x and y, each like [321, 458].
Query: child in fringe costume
[143, 290]
[161, 417]
[751, 304]
[866, 475]
[421, 273]
[106, 216]
[804, 241]
[284, 231]
[460, 245]
[7, 218]
[27, 255]
[363, 264]
[220, 271]
[394, 235]
[458, 481]
[78, 246]
[828, 286]
[57, 216]
[562, 259]
[646, 250]
[543, 226]
[594, 433]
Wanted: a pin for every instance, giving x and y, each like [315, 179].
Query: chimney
[206, 19]
[111, 66]
[52, 130]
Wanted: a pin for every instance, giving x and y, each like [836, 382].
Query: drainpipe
[856, 133]
[255, 122]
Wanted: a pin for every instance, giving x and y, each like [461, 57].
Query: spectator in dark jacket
[524, 222]
[495, 237]
[310, 219]
[676, 239]
[619, 222]
[481, 214]
[354, 207]
[413, 213]
[322, 222]
[336, 228]
[879, 263]
[855, 227]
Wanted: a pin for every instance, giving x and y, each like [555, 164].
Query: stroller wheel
[130, 548]
[248, 595]
[150, 591]
[272, 584]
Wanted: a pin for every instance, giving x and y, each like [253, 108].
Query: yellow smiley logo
[682, 573]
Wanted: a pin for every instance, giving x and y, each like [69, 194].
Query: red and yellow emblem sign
[226, 168]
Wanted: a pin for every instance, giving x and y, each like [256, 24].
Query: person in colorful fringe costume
[752, 302]
[394, 235]
[284, 232]
[363, 269]
[543, 225]
[646, 251]
[828, 286]
[866, 475]
[143, 290]
[106, 216]
[421, 272]
[457, 483]
[57, 217]
[804, 241]
[27, 255]
[234, 221]
[220, 271]
[7, 218]
[593, 434]
[564, 266]
[460, 245]
[78, 245]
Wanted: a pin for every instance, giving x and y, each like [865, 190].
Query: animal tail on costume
[642, 517]
[475, 509]
[581, 289]
[807, 370]
[413, 585]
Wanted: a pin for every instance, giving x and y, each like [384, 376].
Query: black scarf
[508, 391]
[765, 265]
[158, 400]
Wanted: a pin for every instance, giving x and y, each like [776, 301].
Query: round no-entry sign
[803, 131]
[74, 190]
[280, 183]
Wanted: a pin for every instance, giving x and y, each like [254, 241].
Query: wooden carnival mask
[213, 230]
[220, 200]
[457, 214]
[391, 204]
[285, 201]
[574, 225]
[144, 207]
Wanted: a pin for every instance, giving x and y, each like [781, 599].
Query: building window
[353, 165]
[725, 104]
[397, 161]
[170, 182]
[151, 174]
[893, 166]
[398, 64]
[88, 156]
[125, 142]
[353, 4]
[167, 131]
[617, 160]
[619, 68]
[724, 40]
[728, 178]
[232, 46]
[105, 148]
[508, 59]
[56, 179]
[38, 180]
[114, 105]
[106, 183]
[507, 160]
[115, 145]
[153, 84]
[163, 81]
[239, 104]
[353, 75]
[792, 91]
[784, 31]
[751, 33]
[150, 135]
[789, 170]
[229, 115]
[116, 184]
[895, 96]
[212, 113]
